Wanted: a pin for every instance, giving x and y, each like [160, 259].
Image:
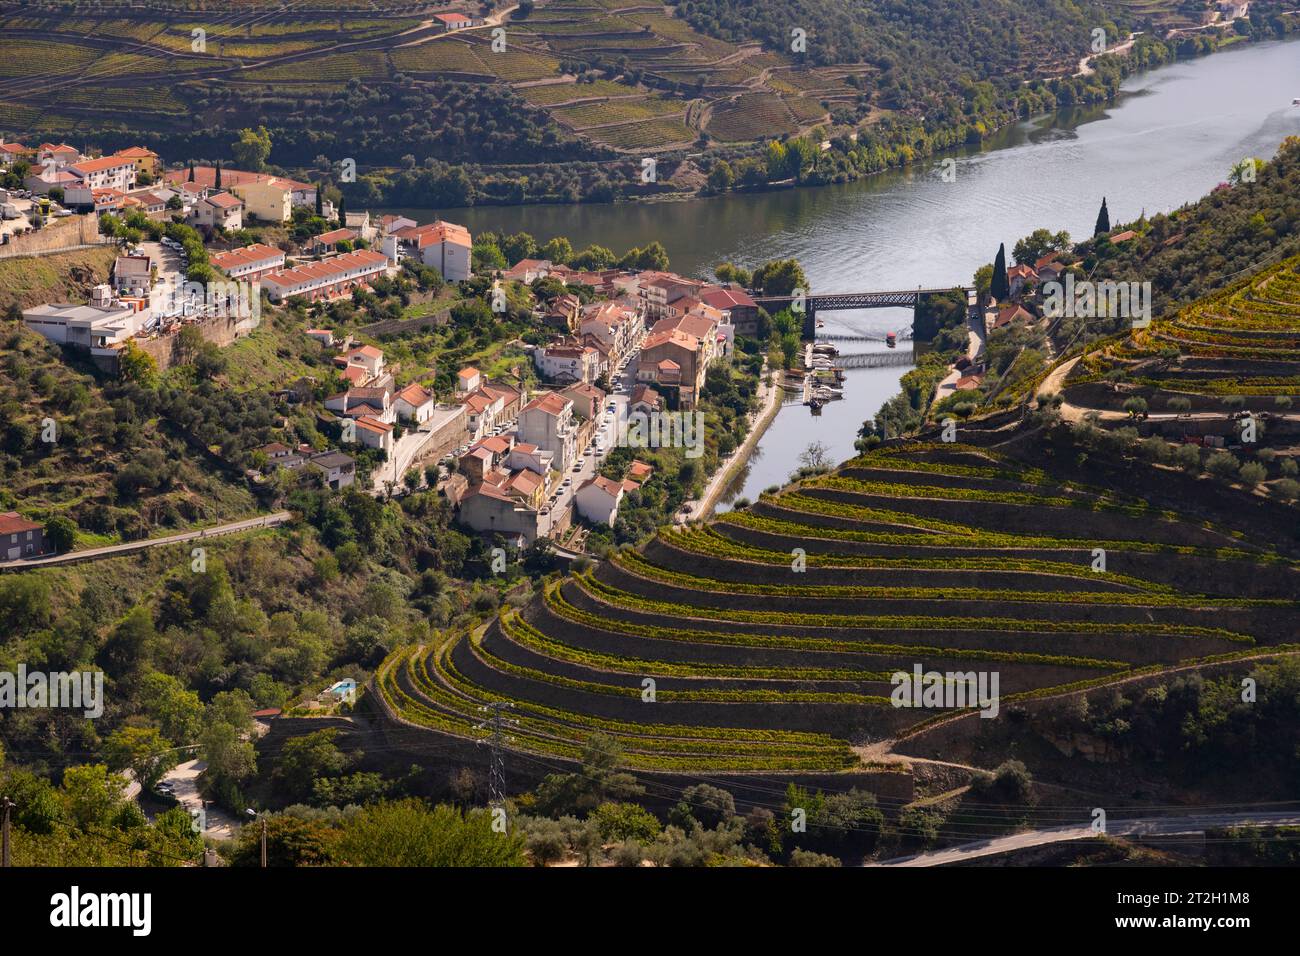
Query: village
[517, 455]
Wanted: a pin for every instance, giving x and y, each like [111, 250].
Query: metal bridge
[903, 335]
[844, 301]
[875, 359]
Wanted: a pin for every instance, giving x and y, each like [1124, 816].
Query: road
[604, 439]
[1141, 826]
[167, 291]
[219, 825]
[975, 345]
[94, 554]
[1055, 381]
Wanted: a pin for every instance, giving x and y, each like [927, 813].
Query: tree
[728, 272]
[136, 365]
[343, 211]
[92, 794]
[216, 176]
[290, 841]
[816, 456]
[178, 711]
[999, 287]
[252, 148]
[304, 759]
[61, 532]
[142, 750]
[599, 781]
[721, 177]
[1103, 219]
[519, 246]
[320, 200]
[557, 251]
[1038, 244]
[408, 833]
[191, 179]
[625, 821]
[780, 277]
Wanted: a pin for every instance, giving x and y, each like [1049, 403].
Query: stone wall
[221, 330]
[67, 233]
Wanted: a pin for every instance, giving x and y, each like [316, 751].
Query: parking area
[593, 454]
[171, 264]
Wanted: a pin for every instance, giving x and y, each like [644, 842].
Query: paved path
[1142, 826]
[94, 554]
[974, 346]
[771, 393]
[184, 779]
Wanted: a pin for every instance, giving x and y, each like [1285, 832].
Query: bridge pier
[810, 324]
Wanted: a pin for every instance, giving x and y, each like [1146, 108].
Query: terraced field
[954, 558]
[1242, 342]
[661, 64]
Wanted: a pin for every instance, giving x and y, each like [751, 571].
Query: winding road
[1142, 826]
[94, 554]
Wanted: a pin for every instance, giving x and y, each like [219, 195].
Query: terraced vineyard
[1242, 342]
[955, 558]
[665, 64]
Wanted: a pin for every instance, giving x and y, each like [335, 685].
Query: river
[1173, 134]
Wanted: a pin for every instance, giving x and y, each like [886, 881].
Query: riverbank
[846, 155]
[771, 394]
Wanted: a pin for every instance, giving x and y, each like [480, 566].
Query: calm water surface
[1173, 135]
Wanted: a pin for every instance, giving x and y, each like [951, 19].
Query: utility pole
[254, 814]
[7, 805]
[496, 723]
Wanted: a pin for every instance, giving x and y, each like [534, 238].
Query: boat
[1296, 101]
[891, 339]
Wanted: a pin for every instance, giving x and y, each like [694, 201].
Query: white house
[219, 211]
[366, 357]
[338, 469]
[566, 363]
[454, 21]
[443, 245]
[414, 404]
[547, 422]
[468, 379]
[109, 172]
[373, 433]
[132, 275]
[598, 498]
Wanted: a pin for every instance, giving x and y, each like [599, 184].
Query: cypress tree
[320, 199]
[1103, 219]
[191, 171]
[999, 288]
[343, 211]
[217, 178]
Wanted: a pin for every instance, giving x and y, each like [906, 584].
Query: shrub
[1252, 473]
[1287, 488]
[1223, 464]
[809, 858]
[625, 822]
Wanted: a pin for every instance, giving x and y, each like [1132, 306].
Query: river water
[1172, 136]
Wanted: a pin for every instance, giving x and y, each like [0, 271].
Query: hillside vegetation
[957, 558]
[581, 90]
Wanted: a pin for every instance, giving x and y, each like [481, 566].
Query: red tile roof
[96, 165]
[11, 522]
[551, 403]
[255, 254]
